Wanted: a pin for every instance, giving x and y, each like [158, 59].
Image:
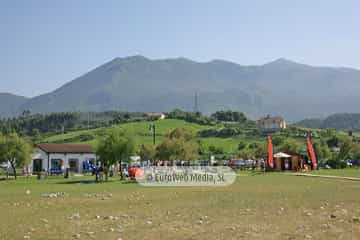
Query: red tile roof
[66, 148]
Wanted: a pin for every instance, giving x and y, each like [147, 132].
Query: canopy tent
[281, 155]
[4, 164]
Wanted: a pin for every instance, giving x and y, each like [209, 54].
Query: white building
[55, 158]
[154, 116]
[271, 124]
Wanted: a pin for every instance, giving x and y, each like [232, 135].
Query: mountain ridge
[9, 104]
[138, 83]
[338, 121]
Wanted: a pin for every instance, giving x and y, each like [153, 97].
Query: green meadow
[256, 206]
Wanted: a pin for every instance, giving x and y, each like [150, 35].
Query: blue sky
[44, 44]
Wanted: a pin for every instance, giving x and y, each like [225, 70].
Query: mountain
[10, 104]
[339, 121]
[136, 83]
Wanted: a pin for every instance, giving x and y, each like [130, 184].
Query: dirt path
[324, 176]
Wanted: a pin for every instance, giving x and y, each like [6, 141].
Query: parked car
[355, 163]
[241, 163]
[237, 164]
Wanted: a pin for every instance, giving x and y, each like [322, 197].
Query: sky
[44, 44]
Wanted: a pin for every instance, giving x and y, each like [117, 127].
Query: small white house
[55, 158]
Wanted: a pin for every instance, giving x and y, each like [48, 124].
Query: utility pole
[88, 122]
[153, 129]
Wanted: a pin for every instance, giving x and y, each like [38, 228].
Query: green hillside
[140, 132]
[254, 143]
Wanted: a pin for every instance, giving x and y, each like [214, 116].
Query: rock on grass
[77, 236]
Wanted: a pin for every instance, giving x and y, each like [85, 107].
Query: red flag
[270, 152]
[311, 151]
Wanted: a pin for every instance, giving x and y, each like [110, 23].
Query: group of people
[98, 171]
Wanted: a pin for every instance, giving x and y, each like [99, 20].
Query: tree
[36, 136]
[322, 150]
[216, 150]
[247, 153]
[178, 133]
[290, 145]
[177, 149]
[278, 140]
[178, 146]
[147, 152]
[345, 148]
[241, 145]
[261, 150]
[15, 150]
[338, 160]
[191, 117]
[333, 141]
[202, 149]
[114, 148]
[229, 116]
[356, 151]
[253, 145]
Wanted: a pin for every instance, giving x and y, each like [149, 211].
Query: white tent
[281, 155]
[4, 165]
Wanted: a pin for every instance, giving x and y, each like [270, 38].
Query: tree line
[33, 124]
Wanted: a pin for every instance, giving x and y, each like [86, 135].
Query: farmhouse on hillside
[154, 116]
[271, 124]
[55, 158]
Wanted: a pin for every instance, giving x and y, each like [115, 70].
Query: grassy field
[271, 206]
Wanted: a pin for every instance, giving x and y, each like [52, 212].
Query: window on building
[74, 164]
[56, 163]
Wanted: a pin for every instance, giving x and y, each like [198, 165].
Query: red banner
[270, 152]
[311, 151]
